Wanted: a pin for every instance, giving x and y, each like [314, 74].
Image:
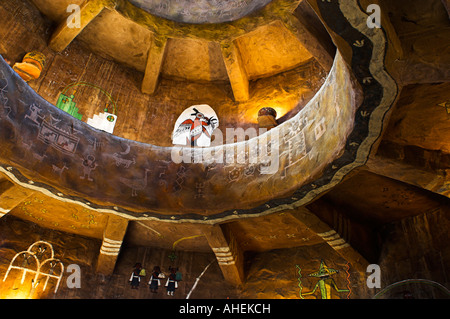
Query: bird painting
[136, 184]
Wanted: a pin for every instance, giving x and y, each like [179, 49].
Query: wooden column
[236, 71]
[11, 197]
[113, 235]
[155, 61]
[229, 256]
[65, 34]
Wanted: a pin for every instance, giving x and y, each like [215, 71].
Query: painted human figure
[325, 284]
[34, 115]
[155, 281]
[171, 283]
[89, 164]
[135, 278]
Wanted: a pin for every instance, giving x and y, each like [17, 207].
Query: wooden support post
[12, 197]
[113, 235]
[309, 41]
[229, 256]
[66, 33]
[236, 71]
[154, 65]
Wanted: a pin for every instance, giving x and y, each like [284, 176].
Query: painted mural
[305, 156]
[38, 261]
[325, 283]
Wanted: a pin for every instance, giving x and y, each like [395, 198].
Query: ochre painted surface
[271, 49]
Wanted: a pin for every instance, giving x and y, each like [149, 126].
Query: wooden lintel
[113, 235]
[154, 65]
[229, 255]
[66, 32]
[236, 71]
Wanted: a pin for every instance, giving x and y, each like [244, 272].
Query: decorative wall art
[38, 260]
[104, 121]
[325, 283]
[195, 126]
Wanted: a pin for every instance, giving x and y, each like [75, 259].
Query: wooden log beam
[155, 60]
[113, 235]
[236, 71]
[66, 33]
[12, 197]
[228, 253]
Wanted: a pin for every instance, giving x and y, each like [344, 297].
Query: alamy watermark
[374, 279]
[374, 20]
[74, 279]
[74, 19]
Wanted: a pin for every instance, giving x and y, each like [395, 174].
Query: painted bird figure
[197, 127]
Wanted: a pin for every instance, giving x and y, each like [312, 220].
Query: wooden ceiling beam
[236, 71]
[113, 235]
[155, 61]
[66, 33]
[228, 253]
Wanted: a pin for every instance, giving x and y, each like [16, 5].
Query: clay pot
[31, 67]
[267, 118]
